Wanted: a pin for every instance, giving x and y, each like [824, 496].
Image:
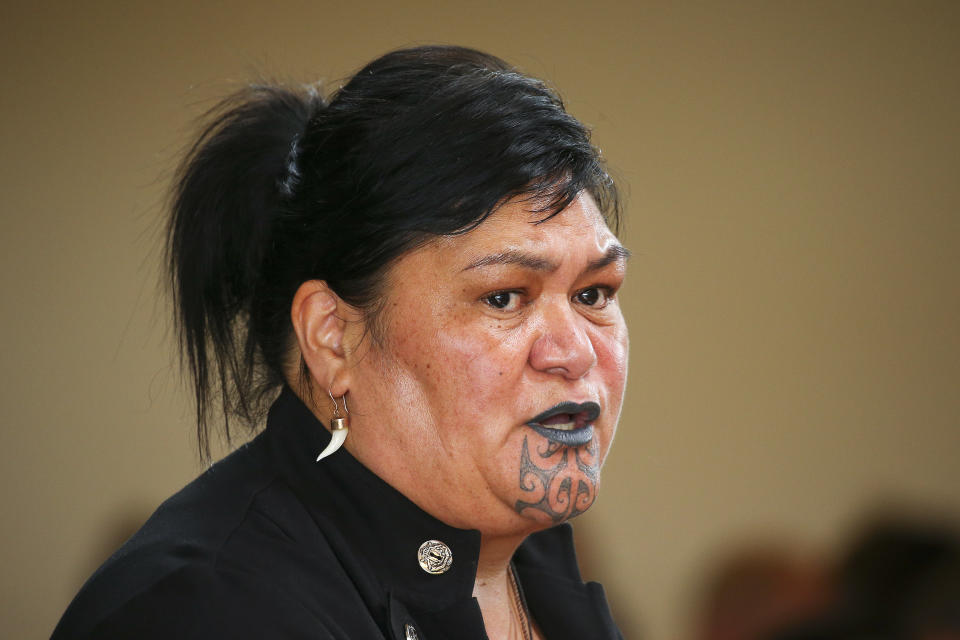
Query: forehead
[577, 231]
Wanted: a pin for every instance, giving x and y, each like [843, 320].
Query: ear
[318, 314]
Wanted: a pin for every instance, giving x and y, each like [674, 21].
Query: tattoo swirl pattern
[549, 475]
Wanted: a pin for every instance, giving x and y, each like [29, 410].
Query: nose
[563, 346]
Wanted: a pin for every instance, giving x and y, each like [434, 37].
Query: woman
[424, 264]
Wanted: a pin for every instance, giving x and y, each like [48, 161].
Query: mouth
[568, 423]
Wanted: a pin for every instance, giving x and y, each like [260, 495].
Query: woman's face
[492, 393]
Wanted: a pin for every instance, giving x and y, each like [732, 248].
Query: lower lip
[571, 438]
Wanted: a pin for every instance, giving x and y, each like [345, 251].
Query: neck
[495, 555]
[493, 589]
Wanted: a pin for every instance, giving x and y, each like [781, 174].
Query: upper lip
[585, 412]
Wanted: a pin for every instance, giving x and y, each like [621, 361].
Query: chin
[557, 482]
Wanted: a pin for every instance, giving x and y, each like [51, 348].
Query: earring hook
[336, 408]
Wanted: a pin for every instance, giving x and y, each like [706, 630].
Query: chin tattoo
[559, 481]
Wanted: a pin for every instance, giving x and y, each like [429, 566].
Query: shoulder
[203, 601]
[227, 556]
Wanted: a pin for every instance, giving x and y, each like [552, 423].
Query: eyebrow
[616, 253]
[534, 263]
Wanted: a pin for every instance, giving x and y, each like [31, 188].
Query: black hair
[284, 186]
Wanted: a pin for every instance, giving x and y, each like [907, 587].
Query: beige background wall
[794, 212]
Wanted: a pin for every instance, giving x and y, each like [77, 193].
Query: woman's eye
[503, 300]
[596, 297]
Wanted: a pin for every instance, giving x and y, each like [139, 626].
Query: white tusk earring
[339, 427]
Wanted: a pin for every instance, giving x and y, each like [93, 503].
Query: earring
[338, 426]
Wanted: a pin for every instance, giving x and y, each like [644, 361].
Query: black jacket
[270, 544]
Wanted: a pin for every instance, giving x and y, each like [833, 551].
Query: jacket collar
[377, 525]
[377, 532]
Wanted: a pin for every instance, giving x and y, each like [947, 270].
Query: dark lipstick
[568, 423]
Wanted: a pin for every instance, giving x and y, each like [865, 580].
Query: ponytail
[237, 179]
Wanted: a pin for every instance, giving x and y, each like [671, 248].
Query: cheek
[461, 368]
[612, 349]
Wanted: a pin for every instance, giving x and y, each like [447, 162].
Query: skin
[479, 333]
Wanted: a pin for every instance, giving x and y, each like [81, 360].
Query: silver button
[410, 632]
[434, 557]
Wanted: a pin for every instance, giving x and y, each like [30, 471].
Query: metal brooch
[434, 557]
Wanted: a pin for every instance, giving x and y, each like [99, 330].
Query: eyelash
[606, 292]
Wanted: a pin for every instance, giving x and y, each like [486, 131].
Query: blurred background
[793, 209]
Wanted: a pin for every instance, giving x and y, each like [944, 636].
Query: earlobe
[320, 329]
